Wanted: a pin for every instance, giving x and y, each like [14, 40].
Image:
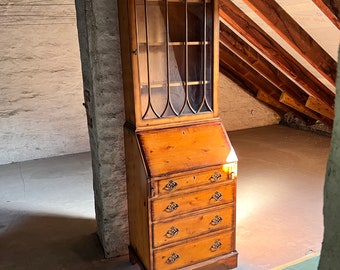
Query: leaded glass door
[175, 56]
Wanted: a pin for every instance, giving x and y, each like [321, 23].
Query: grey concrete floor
[47, 218]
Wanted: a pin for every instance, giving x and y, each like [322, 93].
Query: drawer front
[193, 225]
[194, 251]
[186, 202]
[170, 185]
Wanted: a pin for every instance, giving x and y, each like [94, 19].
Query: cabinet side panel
[216, 22]
[137, 199]
[126, 40]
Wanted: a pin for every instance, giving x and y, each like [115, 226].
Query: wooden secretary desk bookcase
[181, 167]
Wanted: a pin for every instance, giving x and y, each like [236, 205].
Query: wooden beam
[238, 80]
[313, 104]
[331, 9]
[263, 88]
[260, 63]
[247, 28]
[241, 69]
[291, 102]
[290, 31]
[269, 100]
[257, 85]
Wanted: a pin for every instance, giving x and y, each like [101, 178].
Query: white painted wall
[239, 110]
[41, 112]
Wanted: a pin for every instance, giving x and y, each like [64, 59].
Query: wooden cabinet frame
[181, 166]
[130, 59]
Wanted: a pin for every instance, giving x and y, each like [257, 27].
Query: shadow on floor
[32, 241]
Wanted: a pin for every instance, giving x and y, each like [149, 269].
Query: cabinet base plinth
[225, 262]
[133, 257]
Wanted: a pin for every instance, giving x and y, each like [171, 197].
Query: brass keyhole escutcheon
[217, 196]
[171, 185]
[171, 207]
[215, 177]
[216, 220]
[216, 245]
[173, 231]
[173, 257]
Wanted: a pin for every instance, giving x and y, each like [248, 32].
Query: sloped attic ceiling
[283, 53]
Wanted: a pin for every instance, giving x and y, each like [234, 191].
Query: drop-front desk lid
[179, 149]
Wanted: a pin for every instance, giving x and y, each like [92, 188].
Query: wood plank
[291, 102]
[232, 43]
[313, 104]
[194, 179]
[162, 148]
[270, 100]
[255, 83]
[194, 251]
[239, 67]
[193, 225]
[260, 63]
[137, 190]
[289, 30]
[264, 97]
[166, 207]
[331, 9]
[271, 49]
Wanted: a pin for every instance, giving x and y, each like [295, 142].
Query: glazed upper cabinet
[181, 167]
[174, 48]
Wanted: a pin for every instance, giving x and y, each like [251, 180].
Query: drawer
[194, 251]
[171, 185]
[167, 207]
[194, 179]
[193, 225]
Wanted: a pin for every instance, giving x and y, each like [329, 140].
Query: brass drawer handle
[216, 246]
[171, 207]
[217, 196]
[215, 177]
[174, 256]
[172, 232]
[216, 220]
[171, 185]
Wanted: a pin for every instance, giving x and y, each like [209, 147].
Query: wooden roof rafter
[261, 64]
[269, 92]
[331, 9]
[272, 50]
[290, 31]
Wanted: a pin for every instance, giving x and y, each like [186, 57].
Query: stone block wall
[98, 31]
[41, 112]
[239, 110]
[329, 258]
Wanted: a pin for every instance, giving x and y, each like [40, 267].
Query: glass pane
[175, 68]
[177, 63]
[177, 22]
[195, 22]
[196, 98]
[195, 63]
[177, 98]
[157, 65]
[158, 100]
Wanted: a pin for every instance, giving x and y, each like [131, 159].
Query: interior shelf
[174, 84]
[141, 2]
[175, 43]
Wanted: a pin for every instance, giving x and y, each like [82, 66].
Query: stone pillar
[98, 33]
[330, 258]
